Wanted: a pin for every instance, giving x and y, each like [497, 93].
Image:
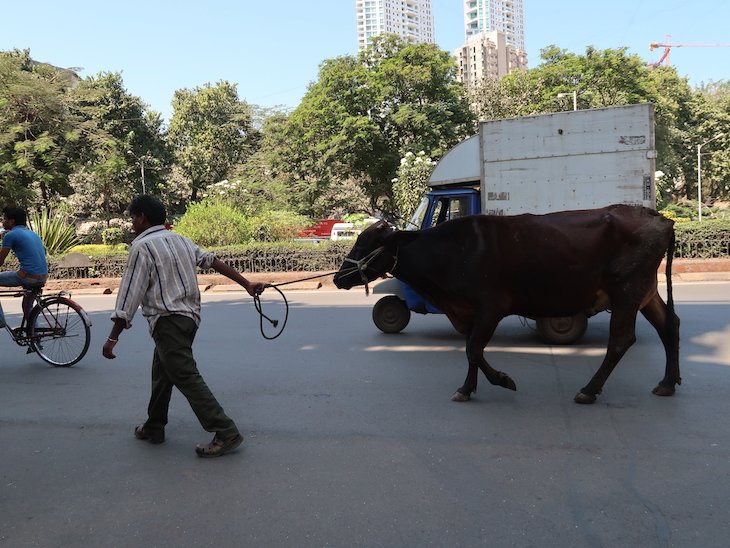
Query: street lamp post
[141, 168]
[699, 174]
[575, 98]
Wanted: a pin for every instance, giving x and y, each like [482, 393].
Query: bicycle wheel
[60, 331]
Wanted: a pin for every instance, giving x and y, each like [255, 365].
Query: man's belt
[24, 274]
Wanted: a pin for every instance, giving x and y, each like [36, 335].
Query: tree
[364, 113]
[120, 141]
[261, 178]
[711, 117]
[36, 140]
[411, 184]
[64, 137]
[672, 97]
[211, 130]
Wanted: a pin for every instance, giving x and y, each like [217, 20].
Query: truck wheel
[562, 330]
[391, 315]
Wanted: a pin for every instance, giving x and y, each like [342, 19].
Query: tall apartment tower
[409, 18]
[487, 55]
[507, 16]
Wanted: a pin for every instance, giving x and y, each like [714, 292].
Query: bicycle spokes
[59, 331]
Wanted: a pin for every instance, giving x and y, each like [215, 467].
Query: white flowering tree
[411, 182]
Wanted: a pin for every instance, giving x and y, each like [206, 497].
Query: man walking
[29, 251]
[161, 276]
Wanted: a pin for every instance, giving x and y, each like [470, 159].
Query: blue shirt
[28, 248]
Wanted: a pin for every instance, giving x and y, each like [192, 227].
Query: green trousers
[173, 365]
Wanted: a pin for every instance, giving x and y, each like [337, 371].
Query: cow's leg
[622, 336]
[657, 314]
[477, 339]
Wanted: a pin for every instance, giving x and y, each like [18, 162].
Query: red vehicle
[321, 231]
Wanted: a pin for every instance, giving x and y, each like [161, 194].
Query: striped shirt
[161, 276]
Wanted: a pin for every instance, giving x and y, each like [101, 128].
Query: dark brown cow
[480, 269]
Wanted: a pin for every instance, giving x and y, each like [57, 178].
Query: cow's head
[368, 259]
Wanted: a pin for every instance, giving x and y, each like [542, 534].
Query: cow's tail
[672, 324]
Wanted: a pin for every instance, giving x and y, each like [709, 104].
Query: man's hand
[255, 288]
[108, 350]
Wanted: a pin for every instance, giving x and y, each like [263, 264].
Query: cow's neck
[415, 265]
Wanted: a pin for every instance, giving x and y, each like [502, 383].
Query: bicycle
[56, 328]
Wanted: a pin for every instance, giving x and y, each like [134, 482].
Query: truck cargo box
[580, 159]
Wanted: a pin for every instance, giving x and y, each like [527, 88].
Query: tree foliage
[211, 130]
[37, 142]
[86, 144]
[62, 136]
[365, 112]
[123, 142]
[411, 183]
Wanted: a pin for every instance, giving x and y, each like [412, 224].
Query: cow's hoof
[458, 396]
[662, 390]
[507, 382]
[582, 397]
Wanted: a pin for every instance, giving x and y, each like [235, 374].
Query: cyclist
[29, 251]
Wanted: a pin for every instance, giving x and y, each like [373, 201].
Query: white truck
[581, 159]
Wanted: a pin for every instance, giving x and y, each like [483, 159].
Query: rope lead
[274, 323]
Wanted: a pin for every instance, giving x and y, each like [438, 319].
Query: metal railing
[702, 247]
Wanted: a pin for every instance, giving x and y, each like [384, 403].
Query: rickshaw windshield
[416, 221]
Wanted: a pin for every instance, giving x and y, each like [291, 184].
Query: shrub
[272, 226]
[679, 211]
[112, 236]
[671, 215]
[214, 224]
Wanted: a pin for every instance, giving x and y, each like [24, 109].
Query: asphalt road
[352, 440]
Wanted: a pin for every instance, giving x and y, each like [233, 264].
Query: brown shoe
[152, 436]
[218, 446]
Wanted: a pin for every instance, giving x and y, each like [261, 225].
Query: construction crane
[665, 56]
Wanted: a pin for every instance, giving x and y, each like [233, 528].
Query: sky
[272, 50]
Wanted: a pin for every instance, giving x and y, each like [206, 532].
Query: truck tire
[391, 315]
[562, 330]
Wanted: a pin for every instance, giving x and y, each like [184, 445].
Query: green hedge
[703, 240]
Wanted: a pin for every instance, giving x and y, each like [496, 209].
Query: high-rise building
[409, 18]
[487, 55]
[507, 16]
